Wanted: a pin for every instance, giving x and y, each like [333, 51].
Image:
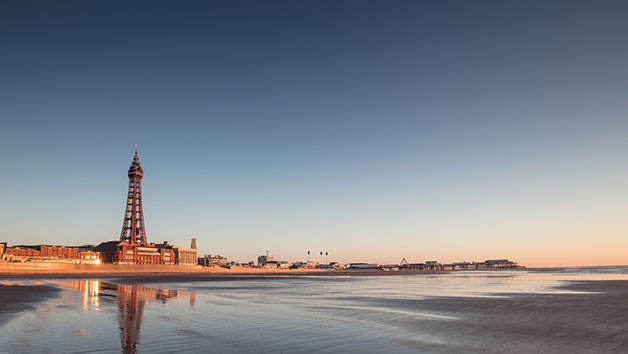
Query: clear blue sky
[374, 130]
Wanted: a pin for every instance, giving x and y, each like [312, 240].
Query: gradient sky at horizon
[373, 130]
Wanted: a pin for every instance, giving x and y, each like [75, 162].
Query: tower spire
[133, 229]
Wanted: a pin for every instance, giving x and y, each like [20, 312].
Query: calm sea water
[290, 315]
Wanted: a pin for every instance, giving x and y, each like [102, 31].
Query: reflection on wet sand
[522, 312]
[130, 299]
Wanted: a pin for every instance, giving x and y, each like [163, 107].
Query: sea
[305, 314]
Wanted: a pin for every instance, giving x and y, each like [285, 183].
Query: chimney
[193, 245]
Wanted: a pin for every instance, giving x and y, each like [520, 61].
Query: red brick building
[50, 254]
[133, 247]
[122, 252]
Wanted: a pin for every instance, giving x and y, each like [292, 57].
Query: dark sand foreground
[595, 320]
[521, 323]
[17, 298]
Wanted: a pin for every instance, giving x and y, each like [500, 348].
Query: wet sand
[520, 323]
[17, 298]
[590, 317]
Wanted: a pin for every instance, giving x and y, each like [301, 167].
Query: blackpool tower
[133, 229]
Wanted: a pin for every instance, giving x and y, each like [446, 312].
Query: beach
[525, 323]
[15, 299]
[468, 312]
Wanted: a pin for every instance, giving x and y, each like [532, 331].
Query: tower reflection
[130, 300]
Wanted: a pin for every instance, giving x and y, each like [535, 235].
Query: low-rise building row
[49, 253]
[113, 252]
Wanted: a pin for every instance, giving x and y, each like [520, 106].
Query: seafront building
[132, 248]
[48, 253]
[263, 259]
[213, 261]
[267, 262]
[185, 256]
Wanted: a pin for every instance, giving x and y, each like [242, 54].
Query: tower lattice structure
[133, 228]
